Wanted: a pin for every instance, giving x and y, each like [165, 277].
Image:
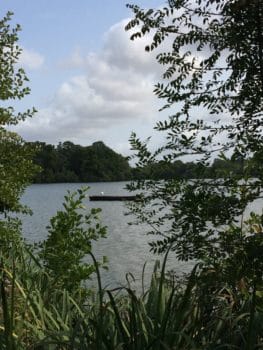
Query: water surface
[126, 246]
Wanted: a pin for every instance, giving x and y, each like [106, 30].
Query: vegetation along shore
[211, 54]
[68, 162]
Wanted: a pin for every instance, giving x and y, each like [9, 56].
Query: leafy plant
[217, 92]
[69, 243]
[16, 167]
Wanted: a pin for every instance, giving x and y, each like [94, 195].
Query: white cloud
[113, 91]
[31, 59]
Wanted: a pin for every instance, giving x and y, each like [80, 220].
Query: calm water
[125, 246]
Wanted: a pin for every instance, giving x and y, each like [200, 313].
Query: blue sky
[88, 81]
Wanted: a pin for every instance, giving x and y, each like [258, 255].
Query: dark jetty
[113, 198]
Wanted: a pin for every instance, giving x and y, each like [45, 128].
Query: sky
[89, 81]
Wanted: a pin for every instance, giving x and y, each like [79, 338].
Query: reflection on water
[125, 246]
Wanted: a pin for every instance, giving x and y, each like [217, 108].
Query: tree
[16, 167]
[74, 163]
[213, 79]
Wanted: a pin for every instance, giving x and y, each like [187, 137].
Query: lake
[126, 246]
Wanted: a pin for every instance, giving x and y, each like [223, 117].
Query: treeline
[189, 170]
[68, 162]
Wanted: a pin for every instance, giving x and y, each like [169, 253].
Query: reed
[167, 315]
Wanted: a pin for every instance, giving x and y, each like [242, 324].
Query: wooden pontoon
[113, 198]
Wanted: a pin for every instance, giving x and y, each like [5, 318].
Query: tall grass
[199, 313]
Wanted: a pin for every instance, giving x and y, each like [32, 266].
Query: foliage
[43, 288]
[13, 150]
[219, 305]
[197, 314]
[74, 163]
[162, 170]
[214, 69]
[66, 249]
[214, 79]
[31, 307]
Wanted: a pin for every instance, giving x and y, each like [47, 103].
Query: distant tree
[74, 163]
[16, 167]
